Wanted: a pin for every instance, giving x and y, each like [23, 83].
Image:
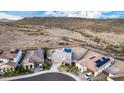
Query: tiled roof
[90, 62]
[11, 64]
[33, 56]
[8, 55]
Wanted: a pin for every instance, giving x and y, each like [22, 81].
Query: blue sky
[83, 14]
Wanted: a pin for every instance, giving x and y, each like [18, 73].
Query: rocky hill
[98, 25]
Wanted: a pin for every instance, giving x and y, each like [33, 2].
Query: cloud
[86, 14]
[82, 14]
[9, 17]
[112, 14]
[16, 15]
[54, 14]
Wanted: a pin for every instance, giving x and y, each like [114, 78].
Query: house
[13, 55]
[33, 58]
[62, 55]
[10, 60]
[10, 66]
[96, 63]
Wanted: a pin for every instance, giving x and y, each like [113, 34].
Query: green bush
[47, 65]
[72, 68]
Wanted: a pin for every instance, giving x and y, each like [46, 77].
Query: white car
[88, 75]
[40, 66]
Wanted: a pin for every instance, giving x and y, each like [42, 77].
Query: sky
[16, 15]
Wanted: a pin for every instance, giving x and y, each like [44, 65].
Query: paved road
[54, 76]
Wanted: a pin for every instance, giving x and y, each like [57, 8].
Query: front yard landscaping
[72, 68]
[47, 65]
[15, 72]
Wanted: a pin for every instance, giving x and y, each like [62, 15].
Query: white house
[62, 55]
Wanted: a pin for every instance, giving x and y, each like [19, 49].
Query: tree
[45, 53]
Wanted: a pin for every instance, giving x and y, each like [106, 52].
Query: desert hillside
[98, 25]
[102, 34]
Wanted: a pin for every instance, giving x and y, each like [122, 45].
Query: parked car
[40, 66]
[88, 75]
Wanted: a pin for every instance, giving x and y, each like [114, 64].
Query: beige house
[7, 67]
[33, 58]
[13, 55]
[9, 60]
[96, 63]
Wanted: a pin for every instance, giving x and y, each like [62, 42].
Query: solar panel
[98, 61]
[102, 61]
[106, 59]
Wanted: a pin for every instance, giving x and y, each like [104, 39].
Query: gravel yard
[119, 65]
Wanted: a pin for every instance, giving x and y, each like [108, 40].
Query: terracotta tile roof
[90, 61]
[8, 55]
[11, 64]
[33, 56]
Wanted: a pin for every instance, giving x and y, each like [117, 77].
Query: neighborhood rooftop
[95, 61]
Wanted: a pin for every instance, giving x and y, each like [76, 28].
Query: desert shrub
[96, 39]
[122, 48]
[85, 34]
[109, 47]
[65, 38]
[63, 43]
